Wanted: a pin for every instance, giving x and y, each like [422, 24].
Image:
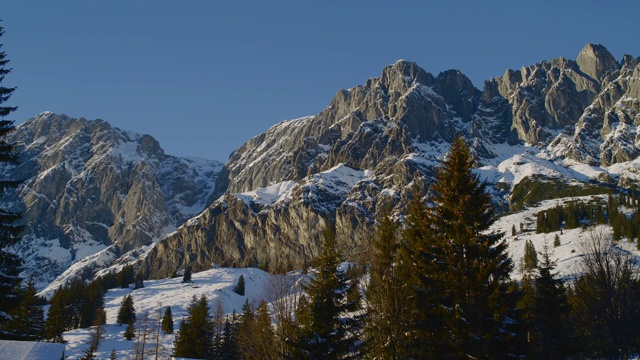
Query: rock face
[94, 188]
[280, 189]
[89, 186]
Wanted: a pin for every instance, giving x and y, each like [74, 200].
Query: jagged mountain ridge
[90, 187]
[278, 191]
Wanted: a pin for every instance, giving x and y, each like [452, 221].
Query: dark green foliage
[556, 241]
[187, 274]
[385, 326]
[10, 263]
[546, 313]
[126, 276]
[462, 270]
[127, 312]
[196, 334]
[112, 354]
[65, 312]
[93, 301]
[229, 347]
[255, 335]
[130, 332]
[533, 189]
[167, 321]
[27, 319]
[530, 256]
[139, 281]
[239, 288]
[513, 230]
[551, 312]
[322, 331]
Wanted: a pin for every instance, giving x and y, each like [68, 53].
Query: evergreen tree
[130, 332]
[323, 332]
[549, 335]
[195, 335]
[463, 270]
[187, 274]
[513, 230]
[556, 241]
[93, 300]
[139, 282]
[229, 348]
[530, 256]
[112, 354]
[27, 319]
[10, 263]
[385, 324]
[167, 321]
[127, 312]
[126, 276]
[55, 324]
[239, 288]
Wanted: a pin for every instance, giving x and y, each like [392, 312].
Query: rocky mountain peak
[595, 60]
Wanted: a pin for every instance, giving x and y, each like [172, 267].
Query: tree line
[440, 287]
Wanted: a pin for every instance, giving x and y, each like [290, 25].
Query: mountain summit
[374, 142]
[95, 194]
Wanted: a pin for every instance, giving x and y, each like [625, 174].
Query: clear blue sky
[203, 77]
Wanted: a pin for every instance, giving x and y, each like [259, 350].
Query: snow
[216, 284]
[280, 192]
[29, 350]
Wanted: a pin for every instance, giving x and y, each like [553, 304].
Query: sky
[203, 77]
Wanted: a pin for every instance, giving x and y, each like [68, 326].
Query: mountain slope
[90, 187]
[572, 121]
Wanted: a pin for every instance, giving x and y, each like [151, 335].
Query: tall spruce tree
[167, 321]
[323, 331]
[386, 296]
[463, 270]
[10, 263]
[195, 335]
[27, 319]
[127, 312]
[550, 334]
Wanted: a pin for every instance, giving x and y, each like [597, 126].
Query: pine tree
[130, 332]
[195, 335]
[550, 312]
[10, 263]
[139, 281]
[27, 319]
[556, 241]
[126, 276]
[167, 321]
[186, 278]
[239, 288]
[530, 256]
[112, 354]
[463, 269]
[323, 332]
[513, 230]
[127, 312]
[93, 300]
[385, 322]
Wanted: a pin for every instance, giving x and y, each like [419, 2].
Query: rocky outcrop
[89, 186]
[394, 128]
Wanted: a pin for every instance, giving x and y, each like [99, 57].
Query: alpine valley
[96, 197]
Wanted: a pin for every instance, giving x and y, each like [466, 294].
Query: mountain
[90, 188]
[97, 197]
[571, 124]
